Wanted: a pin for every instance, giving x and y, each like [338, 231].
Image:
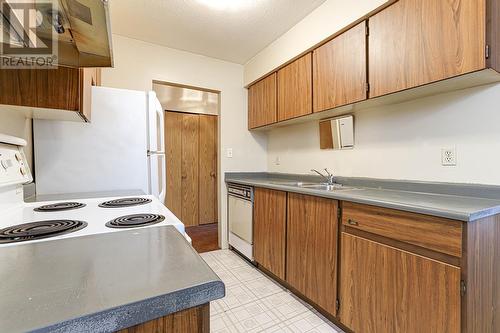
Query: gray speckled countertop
[101, 283]
[463, 202]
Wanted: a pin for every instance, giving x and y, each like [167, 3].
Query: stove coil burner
[134, 221]
[125, 202]
[38, 230]
[59, 207]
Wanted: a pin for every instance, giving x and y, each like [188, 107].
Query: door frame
[220, 228]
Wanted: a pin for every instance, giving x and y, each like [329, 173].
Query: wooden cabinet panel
[482, 275]
[208, 170]
[41, 88]
[270, 230]
[173, 147]
[339, 75]
[430, 232]
[190, 160]
[262, 102]
[66, 89]
[415, 42]
[295, 89]
[383, 289]
[193, 320]
[311, 264]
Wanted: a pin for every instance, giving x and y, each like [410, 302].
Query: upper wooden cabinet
[415, 42]
[384, 289]
[270, 230]
[295, 89]
[262, 102]
[415, 48]
[65, 89]
[311, 262]
[339, 75]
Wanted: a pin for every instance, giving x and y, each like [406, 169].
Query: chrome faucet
[330, 179]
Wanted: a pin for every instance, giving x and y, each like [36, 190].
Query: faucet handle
[328, 172]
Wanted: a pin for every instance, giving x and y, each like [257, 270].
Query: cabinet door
[414, 42]
[208, 169]
[383, 289]
[270, 230]
[295, 89]
[262, 102]
[173, 154]
[189, 178]
[340, 70]
[312, 230]
[41, 88]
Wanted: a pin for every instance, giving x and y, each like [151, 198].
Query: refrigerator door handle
[163, 171]
[158, 176]
[160, 125]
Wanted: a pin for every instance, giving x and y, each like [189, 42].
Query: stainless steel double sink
[314, 186]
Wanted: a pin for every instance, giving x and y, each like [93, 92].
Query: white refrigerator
[122, 148]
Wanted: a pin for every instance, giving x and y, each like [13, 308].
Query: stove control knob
[22, 170]
[18, 157]
[5, 164]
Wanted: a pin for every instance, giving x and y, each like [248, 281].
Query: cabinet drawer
[434, 233]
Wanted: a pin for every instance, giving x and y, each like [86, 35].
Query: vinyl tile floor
[255, 303]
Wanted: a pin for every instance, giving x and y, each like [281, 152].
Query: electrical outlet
[277, 161]
[229, 152]
[448, 157]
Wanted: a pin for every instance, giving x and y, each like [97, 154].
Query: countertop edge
[343, 196]
[139, 312]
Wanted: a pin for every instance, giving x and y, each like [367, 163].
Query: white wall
[327, 19]
[137, 63]
[404, 141]
[12, 122]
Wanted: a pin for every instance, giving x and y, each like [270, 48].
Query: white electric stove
[22, 222]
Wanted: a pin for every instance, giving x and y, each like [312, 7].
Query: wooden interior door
[383, 289]
[190, 167]
[340, 70]
[295, 88]
[208, 206]
[173, 154]
[270, 230]
[311, 264]
[414, 42]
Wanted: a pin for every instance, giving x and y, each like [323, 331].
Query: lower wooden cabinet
[311, 264]
[390, 271]
[384, 289]
[270, 230]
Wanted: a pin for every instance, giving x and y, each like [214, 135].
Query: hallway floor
[204, 238]
[255, 303]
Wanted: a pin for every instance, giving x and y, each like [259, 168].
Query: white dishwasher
[240, 217]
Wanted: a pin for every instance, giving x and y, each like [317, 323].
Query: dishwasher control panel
[241, 191]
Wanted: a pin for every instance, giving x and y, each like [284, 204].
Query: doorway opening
[192, 154]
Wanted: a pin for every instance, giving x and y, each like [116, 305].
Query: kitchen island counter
[102, 283]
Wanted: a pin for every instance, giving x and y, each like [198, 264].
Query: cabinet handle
[352, 222]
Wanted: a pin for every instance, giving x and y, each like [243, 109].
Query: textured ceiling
[232, 34]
